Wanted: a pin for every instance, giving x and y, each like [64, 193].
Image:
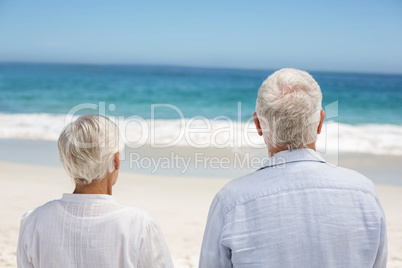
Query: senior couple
[304, 214]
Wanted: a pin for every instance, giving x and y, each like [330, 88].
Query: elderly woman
[88, 228]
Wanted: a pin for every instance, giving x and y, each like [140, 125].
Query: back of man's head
[288, 108]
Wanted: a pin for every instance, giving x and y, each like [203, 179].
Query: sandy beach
[179, 203]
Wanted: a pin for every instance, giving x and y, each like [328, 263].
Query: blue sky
[358, 36]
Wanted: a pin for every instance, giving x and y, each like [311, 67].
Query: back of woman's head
[87, 147]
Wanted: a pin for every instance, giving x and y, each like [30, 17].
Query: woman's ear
[322, 117]
[116, 161]
[257, 124]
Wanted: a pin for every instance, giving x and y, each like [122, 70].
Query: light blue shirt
[297, 211]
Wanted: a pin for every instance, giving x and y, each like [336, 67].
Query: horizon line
[195, 67]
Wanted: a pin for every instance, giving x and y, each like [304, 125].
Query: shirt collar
[87, 197]
[302, 154]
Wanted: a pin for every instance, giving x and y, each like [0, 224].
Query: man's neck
[274, 150]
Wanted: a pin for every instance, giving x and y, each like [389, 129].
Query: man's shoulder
[300, 177]
[239, 190]
[340, 177]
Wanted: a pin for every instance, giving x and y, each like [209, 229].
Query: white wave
[31, 126]
[202, 133]
[369, 138]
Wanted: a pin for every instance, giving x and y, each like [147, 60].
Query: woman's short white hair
[87, 147]
[288, 108]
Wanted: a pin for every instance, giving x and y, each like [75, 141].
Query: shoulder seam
[298, 189]
[220, 202]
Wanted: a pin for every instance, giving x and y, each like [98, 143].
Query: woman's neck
[102, 186]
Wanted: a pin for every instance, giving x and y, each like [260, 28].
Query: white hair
[288, 108]
[87, 148]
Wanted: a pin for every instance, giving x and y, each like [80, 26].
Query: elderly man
[296, 211]
[89, 228]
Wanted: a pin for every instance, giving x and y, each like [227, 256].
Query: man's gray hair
[288, 108]
[87, 148]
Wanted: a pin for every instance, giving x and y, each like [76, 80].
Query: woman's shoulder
[35, 213]
[137, 213]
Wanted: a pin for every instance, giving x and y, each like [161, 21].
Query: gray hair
[288, 108]
[87, 147]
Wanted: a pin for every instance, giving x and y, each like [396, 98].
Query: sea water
[160, 105]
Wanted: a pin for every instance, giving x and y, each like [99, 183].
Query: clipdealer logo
[199, 132]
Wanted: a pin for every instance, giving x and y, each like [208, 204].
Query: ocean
[364, 111]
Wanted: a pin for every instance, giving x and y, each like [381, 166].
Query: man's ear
[257, 124]
[322, 117]
[116, 161]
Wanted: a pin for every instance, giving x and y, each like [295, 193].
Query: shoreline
[192, 162]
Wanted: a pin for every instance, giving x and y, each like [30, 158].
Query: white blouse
[90, 230]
